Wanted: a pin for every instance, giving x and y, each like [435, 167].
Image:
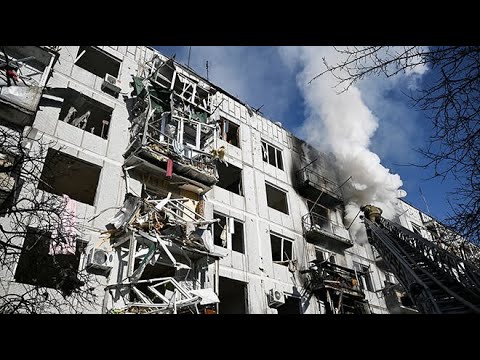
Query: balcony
[171, 125]
[193, 169]
[321, 231]
[25, 71]
[337, 287]
[310, 185]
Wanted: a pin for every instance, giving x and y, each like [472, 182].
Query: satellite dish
[401, 193]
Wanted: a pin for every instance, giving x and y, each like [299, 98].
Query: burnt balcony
[24, 72]
[321, 231]
[337, 286]
[311, 184]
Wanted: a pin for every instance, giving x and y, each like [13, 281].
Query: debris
[160, 231]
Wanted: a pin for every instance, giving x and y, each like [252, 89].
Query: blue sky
[276, 78]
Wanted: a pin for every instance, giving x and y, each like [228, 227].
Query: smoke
[344, 125]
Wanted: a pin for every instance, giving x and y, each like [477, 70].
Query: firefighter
[373, 213]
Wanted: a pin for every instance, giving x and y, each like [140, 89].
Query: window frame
[266, 154]
[281, 190]
[282, 246]
[98, 51]
[50, 167]
[224, 132]
[229, 240]
[364, 275]
[241, 189]
[321, 251]
[79, 256]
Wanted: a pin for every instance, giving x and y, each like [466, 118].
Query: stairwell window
[364, 276]
[272, 155]
[282, 249]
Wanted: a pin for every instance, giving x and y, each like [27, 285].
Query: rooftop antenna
[206, 65]
[189, 52]
[258, 109]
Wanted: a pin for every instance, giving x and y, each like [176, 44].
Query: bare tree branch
[26, 211]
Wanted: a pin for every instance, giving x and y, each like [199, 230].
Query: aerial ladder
[437, 281]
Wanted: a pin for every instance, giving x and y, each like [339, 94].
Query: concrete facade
[255, 267]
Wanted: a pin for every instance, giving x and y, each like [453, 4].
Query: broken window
[37, 267]
[229, 132]
[276, 198]
[228, 233]
[85, 113]
[237, 237]
[97, 61]
[65, 174]
[282, 249]
[364, 276]
[230, 178]
[272, 155]
[233, 296]
[292, 306]
[10, 166]
[319, 254]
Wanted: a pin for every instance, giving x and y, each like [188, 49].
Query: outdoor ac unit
[112, 83]
[276, 298]
[100, 259]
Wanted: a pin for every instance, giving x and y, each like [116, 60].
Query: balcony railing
[317, 228]
[311, 184]
[155, 146]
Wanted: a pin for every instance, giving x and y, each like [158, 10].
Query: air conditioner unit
[276, 298]
[100, 259]
[112, 83]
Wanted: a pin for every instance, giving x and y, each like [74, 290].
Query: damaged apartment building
[185, 199]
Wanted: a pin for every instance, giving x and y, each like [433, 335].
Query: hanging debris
[337, 286]
[163, 233]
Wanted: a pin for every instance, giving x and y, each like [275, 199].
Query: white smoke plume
[344, 125]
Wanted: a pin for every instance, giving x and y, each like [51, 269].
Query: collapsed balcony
[337, 286]
[164, 249]
[171, 132]
[319, 230]
[312, 185]
[24, 72]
